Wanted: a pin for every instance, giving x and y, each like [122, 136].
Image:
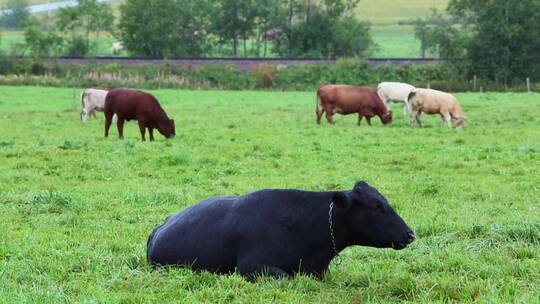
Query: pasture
[76, 208]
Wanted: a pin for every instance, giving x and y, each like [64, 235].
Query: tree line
[498, 39]
[171, 28]
[299, 28]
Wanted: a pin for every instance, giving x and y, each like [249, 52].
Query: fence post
[73, 101]
[429, 85]
[528, 84]
[474, 83]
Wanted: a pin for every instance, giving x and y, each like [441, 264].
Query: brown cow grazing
[347, 99]
[129, 104]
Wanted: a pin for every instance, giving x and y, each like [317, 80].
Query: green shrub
[77, 46]
[222, 76]
[264, 76]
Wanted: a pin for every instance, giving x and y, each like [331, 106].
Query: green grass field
[10, 39]
[395, 40]
[391, 12]
[76, 209]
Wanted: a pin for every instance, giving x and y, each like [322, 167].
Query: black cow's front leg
[251, 272]
[251, 268]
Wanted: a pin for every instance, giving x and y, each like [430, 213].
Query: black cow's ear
[341, 200]
[360, 186]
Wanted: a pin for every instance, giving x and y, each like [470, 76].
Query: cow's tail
[83, 95]
[319, 109]
[318, 106]
[83, 105]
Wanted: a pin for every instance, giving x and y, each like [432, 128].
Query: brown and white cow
[435, 102]
[348, 99]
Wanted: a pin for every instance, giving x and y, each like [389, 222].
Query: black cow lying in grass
[277, 232]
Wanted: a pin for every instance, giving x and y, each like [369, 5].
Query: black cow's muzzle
[409, 238]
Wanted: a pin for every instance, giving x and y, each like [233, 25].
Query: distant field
[390, 12]
[393, 40]
[76, 209]
[10, 39]
[31, 2]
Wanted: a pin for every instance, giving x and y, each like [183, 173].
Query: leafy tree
[496, 39]
[42, 44]
[16, 14]
[269, 15]
[310, 37]
[339, 8]
[422, 33]
[160, 28]
[234, 20]
[325, 28]
[440, 34]
[506, 37]
[350, 38]
[81, 21]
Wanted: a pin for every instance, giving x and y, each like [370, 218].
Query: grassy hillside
[390, 12]
[76, 209]
[395, 40]
[30, 2]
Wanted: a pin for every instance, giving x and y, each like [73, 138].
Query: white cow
[395, 92]
[116, 47]
[92, 100]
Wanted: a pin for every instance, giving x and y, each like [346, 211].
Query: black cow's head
[369, 219]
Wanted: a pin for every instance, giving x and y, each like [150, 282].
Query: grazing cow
[130, 104]
[277, 232]
[92, 100]
[347, 99]
[116, 47]
[270, 36]
[435, 102]
[395, 92]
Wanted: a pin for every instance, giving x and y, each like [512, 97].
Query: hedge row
[268, 77]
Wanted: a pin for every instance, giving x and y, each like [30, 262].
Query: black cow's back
[285, 228]
[195, 237]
